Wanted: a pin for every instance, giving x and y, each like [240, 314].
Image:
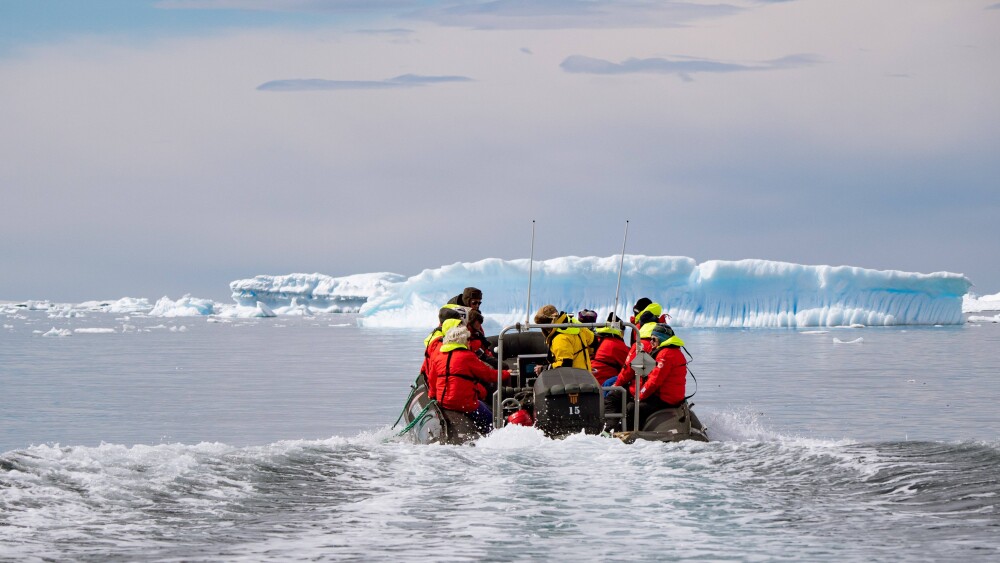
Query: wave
[572, 497]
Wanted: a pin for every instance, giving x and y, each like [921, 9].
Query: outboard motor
[568, 400]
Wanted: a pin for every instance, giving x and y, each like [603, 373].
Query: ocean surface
[194, 439]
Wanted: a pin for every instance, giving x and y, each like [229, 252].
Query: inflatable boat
[561, 401]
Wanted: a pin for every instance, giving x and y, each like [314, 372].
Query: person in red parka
[461, 378]
[433, 346]
[478, 342]
[665, 386]
[645, 319]
[448, 317]
[610, 353]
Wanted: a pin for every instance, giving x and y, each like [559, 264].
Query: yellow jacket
[568, 346]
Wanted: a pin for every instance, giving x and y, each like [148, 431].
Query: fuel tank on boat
[567, 401]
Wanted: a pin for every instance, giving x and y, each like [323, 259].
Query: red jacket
[626, 376]
[668, 378]
[429, 352]
[479, 344]
[609, 357]
[459, 376]
[431, 345]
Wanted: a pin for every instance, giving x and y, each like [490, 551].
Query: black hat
[451, 311]
[641, 304]
[471, 293]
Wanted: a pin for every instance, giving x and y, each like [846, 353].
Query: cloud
[683, 68]
[493, 14]
[571, 14]
[394, 32]
[288, 5]
[993, 6]
[313, 84]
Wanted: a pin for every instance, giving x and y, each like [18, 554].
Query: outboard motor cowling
[568, 400]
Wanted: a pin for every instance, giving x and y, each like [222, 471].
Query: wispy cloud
[993, 6]
[683, 68]
[289, 5]
[493, 14]
[313, 84]
[571, 14]
[393, 32]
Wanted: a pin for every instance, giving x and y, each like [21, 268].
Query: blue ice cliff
[716, 293]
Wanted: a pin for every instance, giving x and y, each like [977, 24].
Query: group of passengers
[605, 353]
[461, 368]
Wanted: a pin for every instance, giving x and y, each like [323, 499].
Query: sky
[162, 148]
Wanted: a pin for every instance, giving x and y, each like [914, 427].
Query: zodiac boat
[563, 400]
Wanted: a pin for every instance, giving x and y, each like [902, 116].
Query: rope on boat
[417, 419]
[406, 405]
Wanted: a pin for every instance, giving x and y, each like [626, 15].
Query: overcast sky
[152, 148]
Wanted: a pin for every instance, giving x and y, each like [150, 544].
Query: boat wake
[299, 499]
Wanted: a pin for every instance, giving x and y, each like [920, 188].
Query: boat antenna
[531, 264]
[621, 266]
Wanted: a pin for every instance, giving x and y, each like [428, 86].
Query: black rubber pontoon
[430, 424]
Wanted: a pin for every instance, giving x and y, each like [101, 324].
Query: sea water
[136, 438]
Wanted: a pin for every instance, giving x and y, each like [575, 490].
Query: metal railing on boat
[498, 400]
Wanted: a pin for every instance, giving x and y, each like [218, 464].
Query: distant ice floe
[186, 306]
[125, 305]
[972, 303]
[94, 331]
[306, 294]
[59, 332]
[744, 293]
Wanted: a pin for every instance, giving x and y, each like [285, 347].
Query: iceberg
[973, 303]
[124, 305]
[58, 332]
[304, 294]
[186, 306]
[716, 293]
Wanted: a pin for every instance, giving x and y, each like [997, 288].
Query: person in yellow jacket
[569, 346]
